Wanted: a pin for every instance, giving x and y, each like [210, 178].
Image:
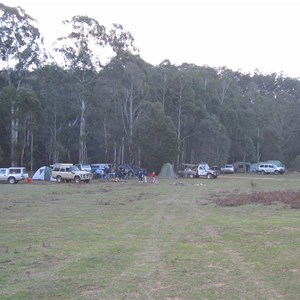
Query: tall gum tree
[20, 49]
[83, 48]
[57, 109]
[133, 93]
[182, 106]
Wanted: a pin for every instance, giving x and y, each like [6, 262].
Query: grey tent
[43, 173]
[167, 171]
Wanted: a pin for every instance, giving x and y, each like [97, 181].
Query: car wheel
[276, 172]
[12, 180]
[209, 176]
[262, 172]
[59, 179]
[77, 179]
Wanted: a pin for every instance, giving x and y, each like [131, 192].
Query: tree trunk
[179, 125]
[122, 152]
[82, 135]
[23, 147]
[14, 144]
[115, 153]
[14, 128]
[14, 135]
[164, 92]
[31, 151]
[130, 118]
[105, 138]
[224, 90]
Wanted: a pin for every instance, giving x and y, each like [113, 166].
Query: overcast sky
[239, 34]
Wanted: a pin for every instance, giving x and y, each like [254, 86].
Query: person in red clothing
[153, 177]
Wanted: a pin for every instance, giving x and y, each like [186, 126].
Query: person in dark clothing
[140, 175]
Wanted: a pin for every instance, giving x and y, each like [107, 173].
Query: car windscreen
[74, 168]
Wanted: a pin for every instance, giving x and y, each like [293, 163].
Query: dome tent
[167, 172]
[43, 173]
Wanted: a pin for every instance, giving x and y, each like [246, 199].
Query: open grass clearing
[128, 240]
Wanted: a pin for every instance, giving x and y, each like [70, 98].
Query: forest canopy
[79, 109]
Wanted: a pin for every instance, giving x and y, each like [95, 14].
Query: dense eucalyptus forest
[70, 104]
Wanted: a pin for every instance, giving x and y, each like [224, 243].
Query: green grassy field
[127, 240]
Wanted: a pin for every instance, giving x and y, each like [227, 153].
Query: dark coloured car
[99, 170]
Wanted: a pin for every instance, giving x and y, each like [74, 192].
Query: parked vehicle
[216, 168]
[70, 172]
[98, 170]
[188, 173]
[203, 170]
[13, 174]
[228, 169]
[84, 167]
[129, 170]
[269, 169]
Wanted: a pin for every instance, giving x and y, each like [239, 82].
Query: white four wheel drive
[13, 174]
[69, 172]
[270, 169]
[203, 170]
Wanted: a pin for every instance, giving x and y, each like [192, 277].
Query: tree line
[80, 108]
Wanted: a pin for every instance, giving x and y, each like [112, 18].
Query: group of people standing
[119, 174]
[143, 176]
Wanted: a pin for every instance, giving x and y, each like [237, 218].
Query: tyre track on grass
[249, 278]
[147, 277]
[151, 284]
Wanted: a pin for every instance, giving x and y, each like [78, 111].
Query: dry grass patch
[288, 198]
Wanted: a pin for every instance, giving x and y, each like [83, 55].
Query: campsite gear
[167, 171]
[43, 173]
